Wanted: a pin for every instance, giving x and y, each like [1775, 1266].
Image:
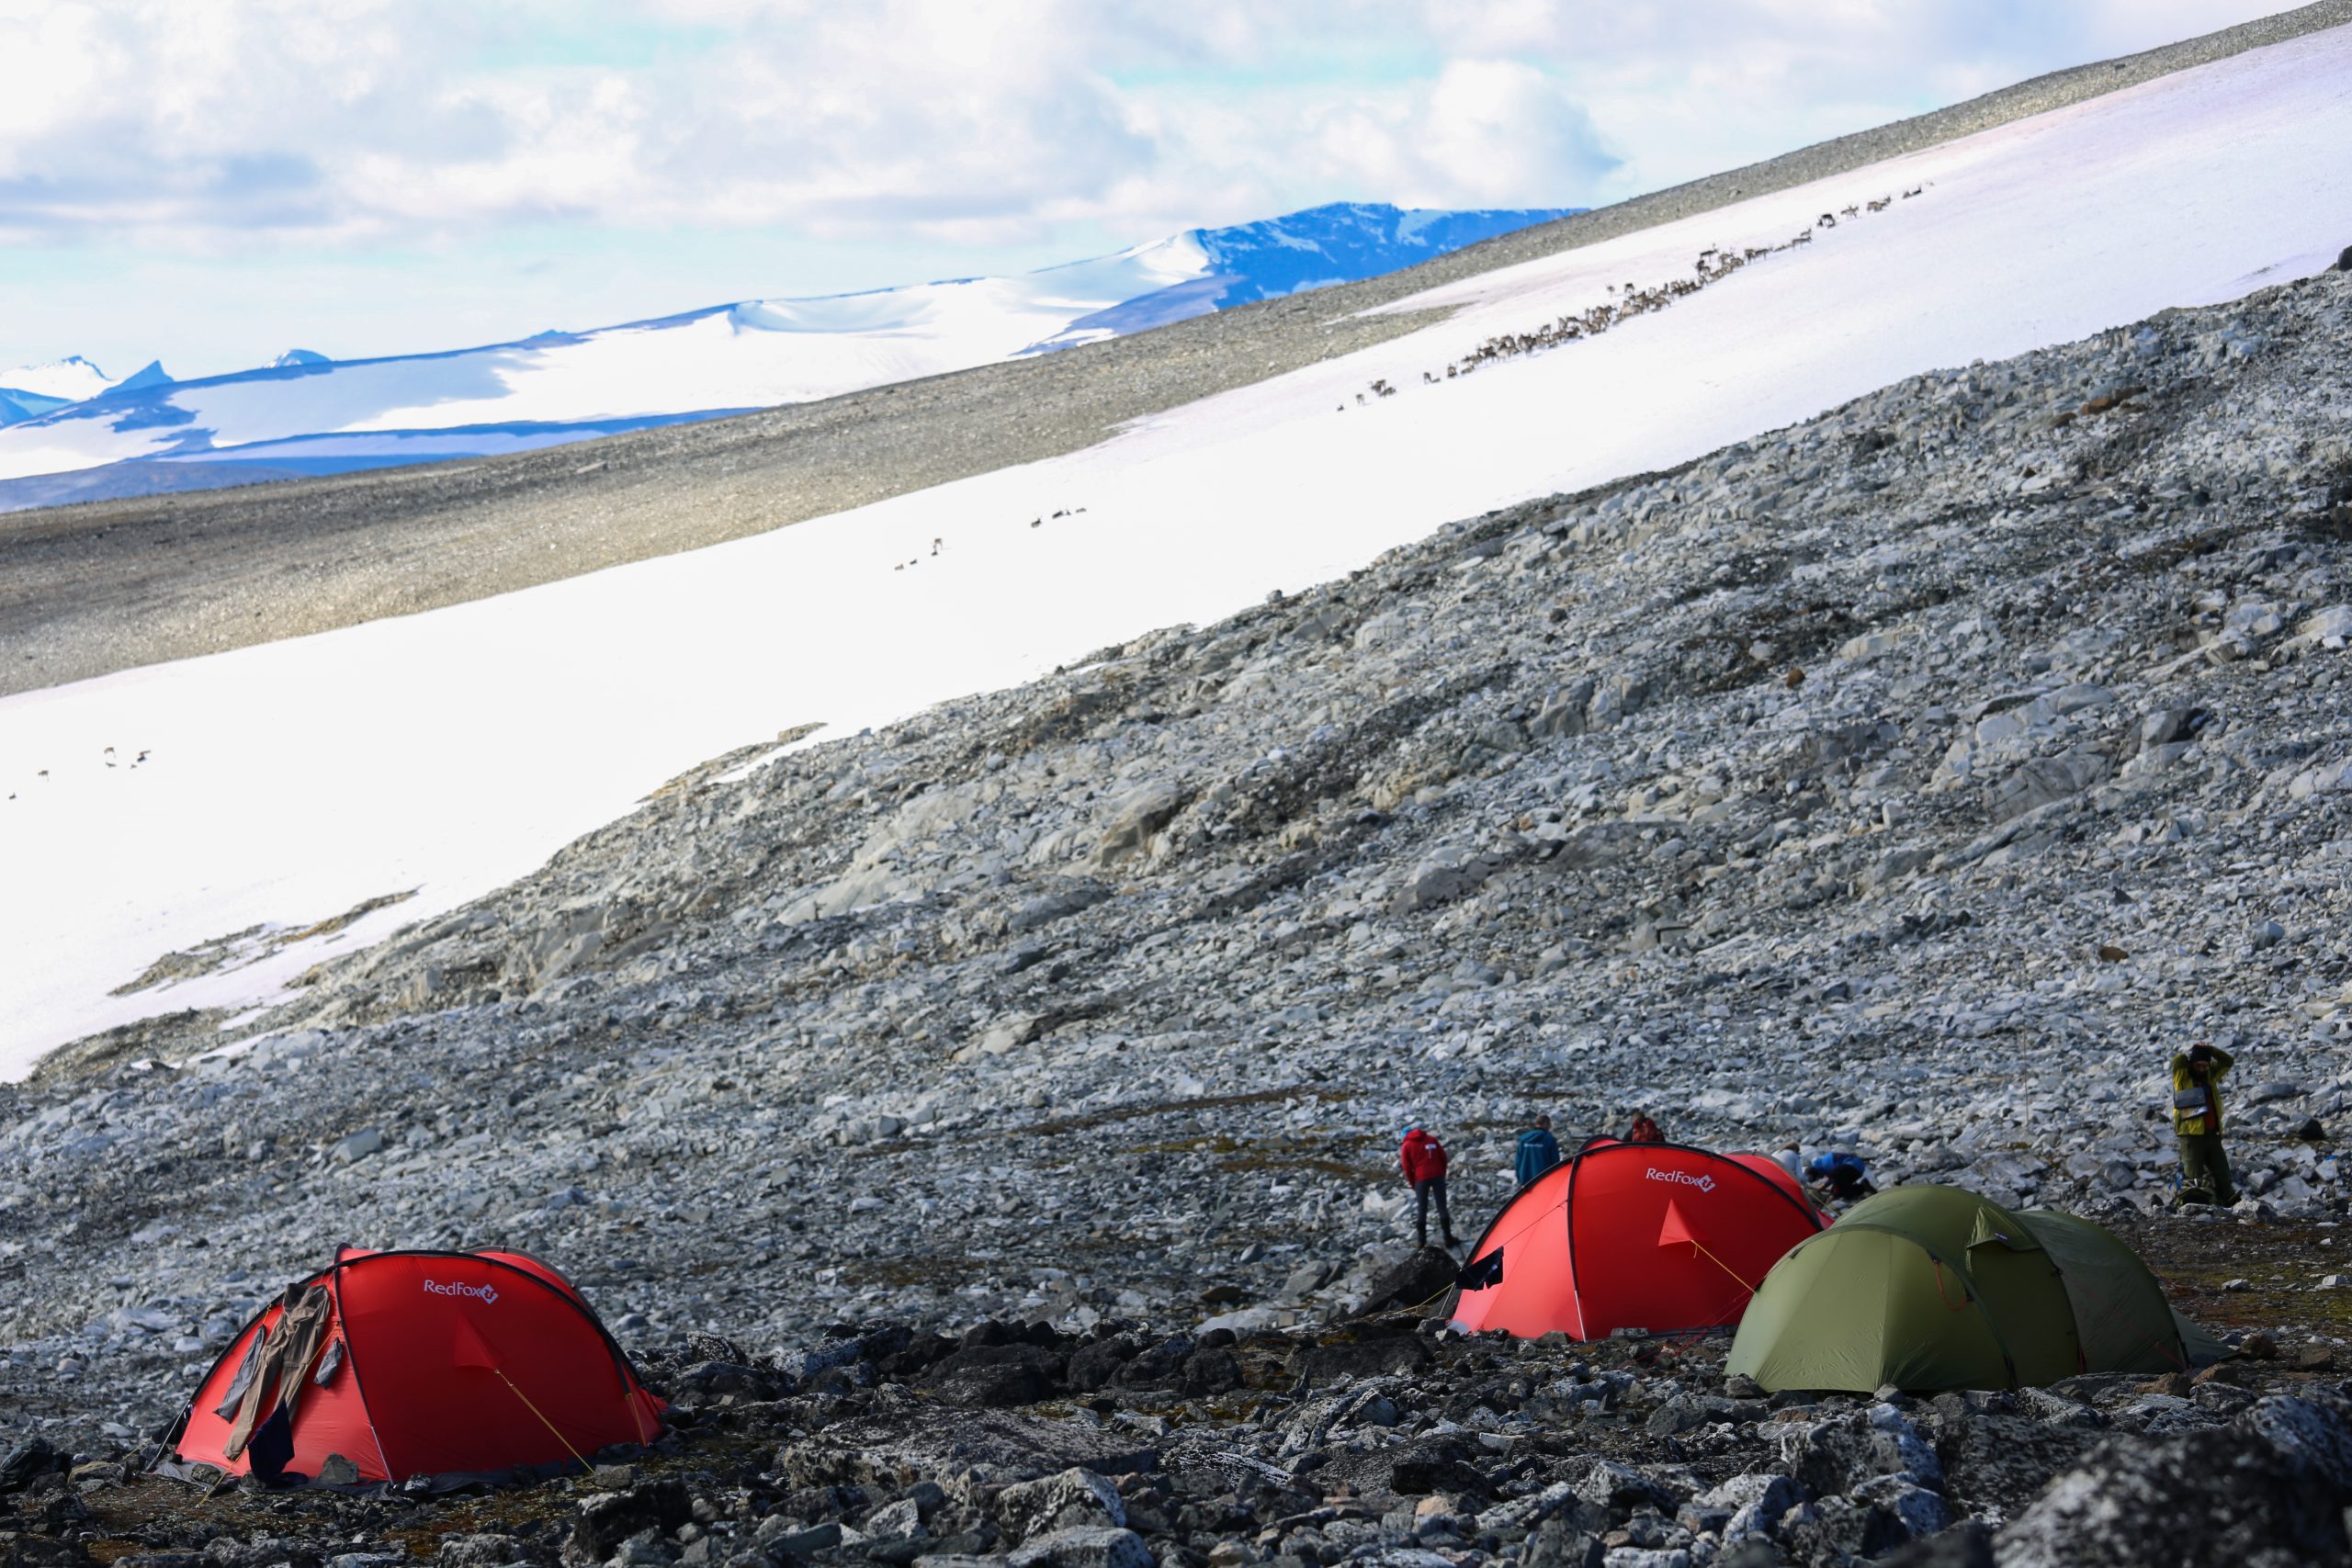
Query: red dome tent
[1633, 1236]
[417, 1364]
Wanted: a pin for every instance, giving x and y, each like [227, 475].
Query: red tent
[1633, 1236]
[418, 1363]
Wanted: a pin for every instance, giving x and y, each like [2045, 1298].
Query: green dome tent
[2125, 1322]
[1932, 1287]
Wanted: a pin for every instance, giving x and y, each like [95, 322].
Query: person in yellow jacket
[2196, 1122]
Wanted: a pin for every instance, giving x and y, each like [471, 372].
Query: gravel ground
[89, 588]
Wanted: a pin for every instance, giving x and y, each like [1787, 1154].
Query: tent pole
[628, 1397]
[543, 1420]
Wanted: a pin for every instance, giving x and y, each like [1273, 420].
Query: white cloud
[1509, 132]
[239, 133]
[363, 119]
[51, 62]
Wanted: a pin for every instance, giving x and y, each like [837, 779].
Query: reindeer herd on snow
[1714, 264]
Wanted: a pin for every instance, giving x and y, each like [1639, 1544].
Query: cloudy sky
[212, 181]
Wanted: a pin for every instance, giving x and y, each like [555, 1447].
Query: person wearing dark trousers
[2197, 1075]
[1423, 1158]
[1841, 1175]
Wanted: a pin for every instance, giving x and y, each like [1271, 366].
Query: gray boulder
[901, 1520]
[1092, 1366]
[1076, 1496]
[2267, 1491]
[1085, 1546]
[1755, 1502]
[1915, 1510]
[1136, 817]
[602, 1523]
[1563, 713]
[1621, 1489]
[1839, 1454]
[1415, 1280]
[1998, 1463]
[358, 1146]
[2046, 781]
[1561, 1541]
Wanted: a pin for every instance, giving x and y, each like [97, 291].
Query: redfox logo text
[486, 1294]
[1680, 1178]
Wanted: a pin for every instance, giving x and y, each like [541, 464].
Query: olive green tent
[2126, 1324]
[1931, 1288]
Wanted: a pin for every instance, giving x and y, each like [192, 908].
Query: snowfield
[29, 391]
[72, 378]
[448, 752]
[570, 387]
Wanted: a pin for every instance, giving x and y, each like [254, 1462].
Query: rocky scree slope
[1917, 778]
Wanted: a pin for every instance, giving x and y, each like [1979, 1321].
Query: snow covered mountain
[68, 381]
[308, 413]
[31, 391]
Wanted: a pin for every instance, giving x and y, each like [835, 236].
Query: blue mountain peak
[152, 374]
[1344, 241]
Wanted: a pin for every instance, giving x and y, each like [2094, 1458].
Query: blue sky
[212, 183]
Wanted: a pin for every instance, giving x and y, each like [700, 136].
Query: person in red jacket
[1644, 1130]
[1423, 1158]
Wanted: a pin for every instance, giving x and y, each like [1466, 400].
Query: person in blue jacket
[1538, 1151]
[1841, 1174]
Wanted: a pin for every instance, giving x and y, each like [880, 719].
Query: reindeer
[1624, 301]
